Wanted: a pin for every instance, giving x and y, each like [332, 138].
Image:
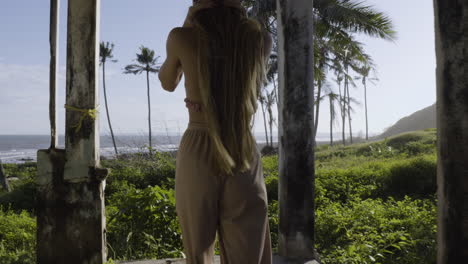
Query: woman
[219, 175]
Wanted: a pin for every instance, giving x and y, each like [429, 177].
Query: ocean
[23, 148]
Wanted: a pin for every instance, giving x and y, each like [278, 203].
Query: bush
[142, 224]
[270, 165]
[273, 220]
[374, 231]
[22, 196]
[416, 177]
[22, 170]
[17, 237]
[140, 171]
[271, 183]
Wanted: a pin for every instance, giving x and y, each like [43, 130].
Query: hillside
[420, 120]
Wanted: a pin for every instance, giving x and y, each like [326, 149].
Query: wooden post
[296, 123]
[70, 206]
[451, 26]
[53, 40]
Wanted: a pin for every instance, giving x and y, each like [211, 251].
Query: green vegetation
[375, 203]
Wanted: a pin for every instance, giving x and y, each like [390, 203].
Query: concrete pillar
[451, 26]
[296, 122]
[70, 209]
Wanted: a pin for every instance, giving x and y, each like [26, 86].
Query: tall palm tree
[342, 102]
[335, 23]
[332, 98]
[146, 62]
[320, 54]
[105, 53]
[365, 71]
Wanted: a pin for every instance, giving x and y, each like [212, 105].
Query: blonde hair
[231, 64]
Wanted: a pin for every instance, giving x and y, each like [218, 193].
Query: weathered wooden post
[451, 25]
[296, 119]
[70, 209]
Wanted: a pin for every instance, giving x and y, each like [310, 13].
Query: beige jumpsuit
[206, 203]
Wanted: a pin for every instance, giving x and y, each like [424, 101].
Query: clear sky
[406, 67]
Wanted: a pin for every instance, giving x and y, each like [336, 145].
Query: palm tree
[365, 71]
[146, 62]
[105, 53]
[262, 100]
[335, 23]
[342, 102]
[270, 101]
[332, 98]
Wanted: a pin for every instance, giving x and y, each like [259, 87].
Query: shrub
[142, 224]
[415, 177]
[270, 165]
[140, 171]
[17, 237]
[271, 183]
[22, 170]
[273, 221]
[374, 231]
[22, 196]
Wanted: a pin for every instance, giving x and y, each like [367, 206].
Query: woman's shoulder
[181, 33]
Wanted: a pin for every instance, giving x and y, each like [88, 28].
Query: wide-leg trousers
[235, 207]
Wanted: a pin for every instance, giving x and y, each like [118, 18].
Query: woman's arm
[171, 72]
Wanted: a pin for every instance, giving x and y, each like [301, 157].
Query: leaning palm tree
[146, 62]
[105, 53]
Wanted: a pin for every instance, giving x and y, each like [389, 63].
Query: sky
[406, 67]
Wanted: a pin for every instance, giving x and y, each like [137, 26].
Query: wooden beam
[70, 202]
[451, 26]
[53, 40]
[296, 122]
[81, 130]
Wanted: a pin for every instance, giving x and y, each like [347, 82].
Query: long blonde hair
[231, 64]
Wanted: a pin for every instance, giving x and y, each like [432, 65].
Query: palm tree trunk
[317, 109]
[264, 121]
[348, 108]
[343, 114]
[332, 114]
[149, 113]
[270, 121]
[276, 90]
[107, 108]
[365, 104]
[296, 144]
[452, 130]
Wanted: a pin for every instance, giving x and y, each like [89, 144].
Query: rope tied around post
[90, 113]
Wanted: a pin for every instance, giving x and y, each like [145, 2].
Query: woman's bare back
[183, 44]
[182, 58]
